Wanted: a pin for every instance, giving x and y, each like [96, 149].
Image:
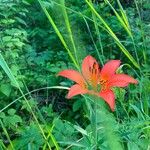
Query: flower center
[102, 84]
[93, 76]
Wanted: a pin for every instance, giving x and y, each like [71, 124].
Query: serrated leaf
[11, 121]
[81, 130]
[77, 105]
[30, 134]
[11, 112]
[6, 38]
[6, 89]
[7, 70]
[2, 115]
[19, 44]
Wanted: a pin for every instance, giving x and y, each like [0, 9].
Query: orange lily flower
[94, 80]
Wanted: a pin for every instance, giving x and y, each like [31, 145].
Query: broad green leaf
[6, 89]
[11, 112]
[6, 38]
[7, 70]
[77, 105]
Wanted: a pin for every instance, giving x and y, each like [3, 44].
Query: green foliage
[6, 89]
[30, 138]
[32, 103]
[35, 45]
[11, 119]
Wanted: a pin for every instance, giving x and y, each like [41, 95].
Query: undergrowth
[39, 38]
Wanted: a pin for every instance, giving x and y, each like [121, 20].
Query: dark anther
[94, 64]
[90, 69]
[102, 82]
[95, 71]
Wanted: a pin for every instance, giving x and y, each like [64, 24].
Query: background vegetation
[40, 38]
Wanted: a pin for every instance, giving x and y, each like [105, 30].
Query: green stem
[97, 51]
[29, 93]
[59, 34]
[108, 123]
[94, 123]
[7, 135]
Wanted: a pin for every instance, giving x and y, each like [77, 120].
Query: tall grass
[99, 116]
[60, 35]
[112, 34]
[9, 73]
[125, 24]
[13, 79]
[123, 19]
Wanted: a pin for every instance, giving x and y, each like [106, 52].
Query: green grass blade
[99, 37]
[142, 32]
[123, 21]
[6, 69]
[58, 34]
[97, 51]
[123, 49]
[67, 22]
[124, 16]
[7, 135]
[29, 93]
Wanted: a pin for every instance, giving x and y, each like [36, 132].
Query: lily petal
[90, 68]
[121, 80]
[75, 90]
[72, 75]
[109, 69]
[109, 97]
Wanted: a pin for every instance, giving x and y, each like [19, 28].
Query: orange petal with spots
[90, 69]
[121, 80]
[109, 69]
[109, 97]
[72, 75]
[76, 90]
